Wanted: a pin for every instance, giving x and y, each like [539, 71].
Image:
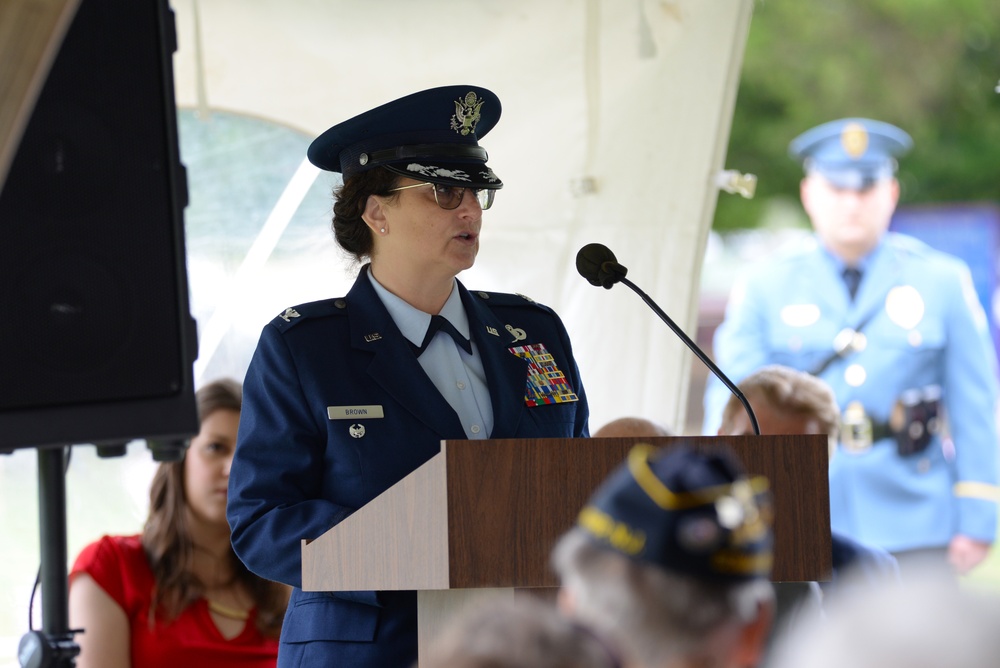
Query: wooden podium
[483, 516]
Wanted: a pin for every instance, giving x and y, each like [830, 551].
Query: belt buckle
[855, 429]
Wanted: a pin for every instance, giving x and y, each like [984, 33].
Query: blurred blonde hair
[788, 391]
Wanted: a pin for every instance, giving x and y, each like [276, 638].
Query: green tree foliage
[928, 66]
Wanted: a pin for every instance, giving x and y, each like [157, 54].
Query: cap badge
[466, 113]
[854, 139]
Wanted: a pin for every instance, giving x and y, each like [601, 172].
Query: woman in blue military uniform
[345, 397]
[896, 329]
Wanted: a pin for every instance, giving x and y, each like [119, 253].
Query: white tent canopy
[615, 121]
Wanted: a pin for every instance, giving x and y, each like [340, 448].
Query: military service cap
[687, 511]
[852, 153]
[430, 136]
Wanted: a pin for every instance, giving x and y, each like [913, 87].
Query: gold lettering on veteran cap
[354, 412]
[854, 139]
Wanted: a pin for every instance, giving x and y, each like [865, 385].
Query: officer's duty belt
[914, 421]
[858, 432]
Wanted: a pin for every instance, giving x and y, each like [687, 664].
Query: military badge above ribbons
[546, 383]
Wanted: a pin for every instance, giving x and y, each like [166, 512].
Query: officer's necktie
[852, 278]
[439, 322]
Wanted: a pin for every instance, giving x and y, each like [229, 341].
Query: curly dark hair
[349, 229]
[168, 543]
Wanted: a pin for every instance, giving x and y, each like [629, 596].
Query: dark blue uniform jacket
[297, 472]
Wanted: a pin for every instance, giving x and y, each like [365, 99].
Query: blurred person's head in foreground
[670, 560]
[523, 632]
[928, 623]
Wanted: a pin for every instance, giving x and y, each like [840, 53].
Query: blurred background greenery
[928, 66]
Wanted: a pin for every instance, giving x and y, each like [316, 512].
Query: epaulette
[318, 309]
[506, 299]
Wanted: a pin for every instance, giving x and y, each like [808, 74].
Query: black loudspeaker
[97, 341]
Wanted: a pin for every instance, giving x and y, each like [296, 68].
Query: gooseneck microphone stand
[600, 267]
[697, 351]
[53, 646]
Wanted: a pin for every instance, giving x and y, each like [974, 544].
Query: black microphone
[599, 266]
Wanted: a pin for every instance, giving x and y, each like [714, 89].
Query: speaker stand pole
[54, 646]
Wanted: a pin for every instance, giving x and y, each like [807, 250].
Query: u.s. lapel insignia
[546, 383]
[492, 330]
[466, 113]
[374, 336]
[289, 314]
[518, 333]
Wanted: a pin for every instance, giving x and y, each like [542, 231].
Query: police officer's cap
[429, 136]
[852, 153]
[687, 511]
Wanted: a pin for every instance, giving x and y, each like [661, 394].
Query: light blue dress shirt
[458, 376]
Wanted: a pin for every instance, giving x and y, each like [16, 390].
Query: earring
[382, 230]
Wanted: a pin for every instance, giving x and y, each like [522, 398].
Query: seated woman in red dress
[177, 595]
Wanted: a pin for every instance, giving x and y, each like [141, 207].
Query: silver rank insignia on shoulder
[356, 430]
[518, 333]
[289, 314]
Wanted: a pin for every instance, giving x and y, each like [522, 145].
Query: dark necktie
[852, 278]
[440, 323]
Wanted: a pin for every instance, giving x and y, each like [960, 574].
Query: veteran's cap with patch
[688, 511]
[852, 153]
[432, 135]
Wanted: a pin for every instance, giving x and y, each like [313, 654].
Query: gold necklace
[226, 611]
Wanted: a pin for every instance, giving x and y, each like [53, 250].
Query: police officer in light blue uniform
[896, 330]
[345, 397]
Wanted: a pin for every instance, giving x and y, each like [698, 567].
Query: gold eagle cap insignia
[467, 113]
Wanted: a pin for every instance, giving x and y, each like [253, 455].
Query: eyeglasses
[450, 197]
